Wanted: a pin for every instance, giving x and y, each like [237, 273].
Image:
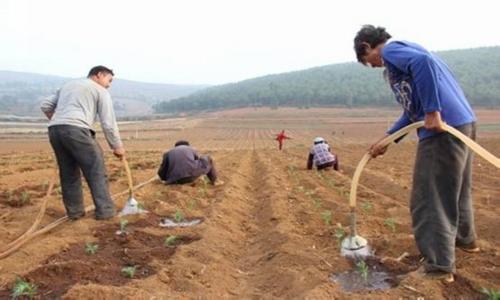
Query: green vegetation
[23, 288]
[346, 85]
[391, 223]
[171, 240]
[91, 249]
[366, 206]
[363, 269]
[492, 294]
[123, 225]
[178, 216]
[327, 217]
[129, 272]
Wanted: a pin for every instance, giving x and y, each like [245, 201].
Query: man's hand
[433, 121]
[378, 148]
[119, 152]
[49, 115]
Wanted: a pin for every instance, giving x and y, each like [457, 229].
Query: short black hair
[371, 35]
[98, 69]
[181, 143]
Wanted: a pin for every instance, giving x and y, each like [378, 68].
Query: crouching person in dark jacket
[182, 164]
[321, 156]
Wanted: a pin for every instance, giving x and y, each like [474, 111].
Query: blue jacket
[423, 83]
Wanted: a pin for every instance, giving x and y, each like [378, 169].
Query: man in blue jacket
[441, 204]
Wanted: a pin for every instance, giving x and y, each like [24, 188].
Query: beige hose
[29, 235]
[129, 177]
[391, 138]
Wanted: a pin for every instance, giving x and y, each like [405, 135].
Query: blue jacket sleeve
[402, 122]
[422, 67]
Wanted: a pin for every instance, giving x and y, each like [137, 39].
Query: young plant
[171, 240]
[178, 216]
[23, 288]
[340, 234]
[491, 293]
[123, 226]
[363, 269]
[25, 198]
[327, 217]
[129, 272]
[192, 204]
[91, 249]
[366, 206]
[391, 223]
[317, 201]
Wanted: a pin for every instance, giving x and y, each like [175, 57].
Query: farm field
[271, 231]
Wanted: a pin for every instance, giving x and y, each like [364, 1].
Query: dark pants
[441, 202]
[208, 168]
[334, 164]
[76, 149]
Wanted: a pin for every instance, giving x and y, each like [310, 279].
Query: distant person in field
[441, 202]
[72, 112]
[321, 156]
[182, 164]
[281, 137]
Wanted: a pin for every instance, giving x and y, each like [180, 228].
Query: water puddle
[171, 223]
[366, 276]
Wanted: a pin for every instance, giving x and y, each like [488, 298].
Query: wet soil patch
[368, 275]
[60, 272]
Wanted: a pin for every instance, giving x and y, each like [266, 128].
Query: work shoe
[105, 216]
[470, 247]
[74, 217]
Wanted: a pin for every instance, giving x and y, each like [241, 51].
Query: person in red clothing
[280, 137]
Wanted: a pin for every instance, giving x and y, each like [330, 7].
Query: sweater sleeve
[422, 67]
[49, 104]
[108, 120]
[402, 122]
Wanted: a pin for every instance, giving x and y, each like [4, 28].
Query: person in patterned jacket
[321, 156]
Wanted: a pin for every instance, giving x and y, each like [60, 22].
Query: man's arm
[108, 123]
[49, 104]
[310, 161]
[162, 171]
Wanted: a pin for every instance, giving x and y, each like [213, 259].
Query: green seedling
[491, 293]
[25, 198]
[171, 240]
[129, 272]
[340, 234]
[363, 269]
[317, 201]
[191, 204]
[366, 206]
[391, 223]
[178, 216]
[23, 288]
[91, 249]
[123, 225]
[327, 217]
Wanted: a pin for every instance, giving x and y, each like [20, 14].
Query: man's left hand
[434, 122]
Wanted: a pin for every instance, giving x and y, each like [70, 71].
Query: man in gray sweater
[183, 165]
[72, 112]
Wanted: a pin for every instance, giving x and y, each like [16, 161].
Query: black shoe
[74, 217]
[105, 216]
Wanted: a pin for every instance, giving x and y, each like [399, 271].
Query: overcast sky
[220, 41]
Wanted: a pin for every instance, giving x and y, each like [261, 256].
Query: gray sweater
[78, 103]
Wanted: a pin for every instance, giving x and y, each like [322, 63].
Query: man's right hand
[378, 148]
[119, 152]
